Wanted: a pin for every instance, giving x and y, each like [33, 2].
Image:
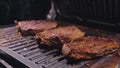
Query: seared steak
[59, 36]
[31, 27]
[89, 47]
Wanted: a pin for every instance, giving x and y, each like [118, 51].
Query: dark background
[11, 10]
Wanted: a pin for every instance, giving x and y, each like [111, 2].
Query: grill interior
[94, 9]
[93, 12]
[27, 51]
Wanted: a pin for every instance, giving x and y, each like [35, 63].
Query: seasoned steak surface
[59, 35]
[89, 47]
[31, 27]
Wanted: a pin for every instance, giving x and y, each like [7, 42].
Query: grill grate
[26, 50]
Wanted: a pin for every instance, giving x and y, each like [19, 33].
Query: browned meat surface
[89, 47]
[59, 35]
[31, 27]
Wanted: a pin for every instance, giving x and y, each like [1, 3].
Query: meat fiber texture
[31, 27]
[59, 36]
[89, 47]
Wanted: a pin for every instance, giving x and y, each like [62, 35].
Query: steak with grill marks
[59, 36]
[89, 47]
[31, 27]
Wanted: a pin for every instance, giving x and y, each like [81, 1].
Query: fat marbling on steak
[31, 27]
[59, 36]
[89, 47]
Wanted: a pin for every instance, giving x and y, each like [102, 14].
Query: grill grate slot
[52, 61]
[41, 58]
[18, 43]
[48, 57]
[32, 52]
[58, 64]
[40, 55]
[24, 46]
[43, 61]
[25, 50]
[35, 54]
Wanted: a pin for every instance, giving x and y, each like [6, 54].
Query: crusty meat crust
[89, 47]
[60, 35]
[31, 27]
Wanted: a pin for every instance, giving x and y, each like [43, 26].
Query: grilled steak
[59, 35]
[89, 47]
[31, 27]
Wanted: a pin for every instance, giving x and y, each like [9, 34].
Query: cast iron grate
[27, 51]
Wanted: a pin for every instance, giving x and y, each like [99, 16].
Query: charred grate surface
[27, 51]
